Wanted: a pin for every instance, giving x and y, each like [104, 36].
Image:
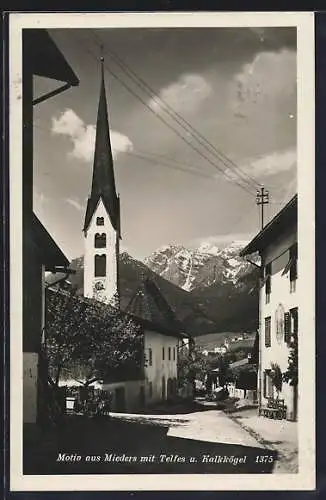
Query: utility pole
[262, 199]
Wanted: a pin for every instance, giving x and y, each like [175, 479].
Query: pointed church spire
[103, 182]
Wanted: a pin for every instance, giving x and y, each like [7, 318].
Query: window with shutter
[294, 322]
[287, 327]
[268, 322]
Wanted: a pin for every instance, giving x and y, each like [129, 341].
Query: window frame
[294, 321]
[98, 238]
[97, 257]
[268, 328]
[100, 221]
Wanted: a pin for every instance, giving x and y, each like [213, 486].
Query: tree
[276, 377]
[89, 340]
[291, 375]
[192, 364]
[223, 366]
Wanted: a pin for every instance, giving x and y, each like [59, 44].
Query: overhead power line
[155, 159]
[219, 155]
[109, 71]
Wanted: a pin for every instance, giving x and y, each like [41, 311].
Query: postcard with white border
[162, 251]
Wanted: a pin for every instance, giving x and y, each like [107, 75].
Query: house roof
[150, 308]
[49, 252]
[103, 182]
[41, 49]
[239, 363]
[143, 309]
[281, 221]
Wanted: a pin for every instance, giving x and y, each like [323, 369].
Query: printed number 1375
[264, 459]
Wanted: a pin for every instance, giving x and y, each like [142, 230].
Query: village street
[206, 441]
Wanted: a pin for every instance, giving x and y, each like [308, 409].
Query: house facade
[277, 246]
[162, 341]
[41, 57]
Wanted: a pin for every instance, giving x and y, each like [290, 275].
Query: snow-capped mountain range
[197, 268]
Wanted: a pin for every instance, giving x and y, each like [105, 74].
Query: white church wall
[109, 281]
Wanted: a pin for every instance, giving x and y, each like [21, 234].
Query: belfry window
[100, 240]
[100, 266]
[100, 221]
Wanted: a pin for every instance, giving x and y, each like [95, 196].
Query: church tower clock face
[99, 285]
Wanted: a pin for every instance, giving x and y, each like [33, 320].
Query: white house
[278, 311]
[162, 340]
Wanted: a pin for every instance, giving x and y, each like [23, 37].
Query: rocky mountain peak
[192, 268]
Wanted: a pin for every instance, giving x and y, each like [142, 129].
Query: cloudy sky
[236, 87]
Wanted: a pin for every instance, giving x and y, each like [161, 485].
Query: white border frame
[305, 478]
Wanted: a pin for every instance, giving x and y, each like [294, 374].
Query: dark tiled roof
[45, 59]
[103, 183]
[152, 310]
[281, 221]
[50, 253]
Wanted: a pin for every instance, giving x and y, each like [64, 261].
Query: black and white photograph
[162, 251]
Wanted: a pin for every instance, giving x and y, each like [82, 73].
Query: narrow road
[212, 426]
[199, 442]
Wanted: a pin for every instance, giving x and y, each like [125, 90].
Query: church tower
[102, 219]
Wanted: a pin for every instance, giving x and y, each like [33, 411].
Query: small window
[100, 240]
[163, 388]
[150, 357]
[173, 353]
[169, 353]
[100, 266]
[268, 324]
[163, 353]
[100, 221]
